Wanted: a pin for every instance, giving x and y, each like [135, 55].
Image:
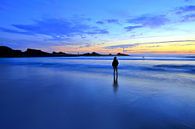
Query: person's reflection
[115, 81]
[115, 74]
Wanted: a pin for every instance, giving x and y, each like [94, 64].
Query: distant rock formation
[92, 54]
[62, 54]
[122, 54]
[8, 52]
[190, 56]
[34, 53]
[58, 53]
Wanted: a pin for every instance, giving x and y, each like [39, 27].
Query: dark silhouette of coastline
[190, 56]
[9, 52]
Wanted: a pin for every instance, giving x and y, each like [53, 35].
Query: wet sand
[39, 96]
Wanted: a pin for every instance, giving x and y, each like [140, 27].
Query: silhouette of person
[115, 65]
[115, 73]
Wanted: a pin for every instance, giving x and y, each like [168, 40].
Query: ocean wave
[182, 68]
[90, 64]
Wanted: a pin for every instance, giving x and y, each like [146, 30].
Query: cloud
[58, 38]
[98, 31]
[56, 28]
[100, 22]
[14, 31]
[146, 43]
[108, 21]
[112, 21]
[26, 43]
[186, 13]
[185, 9]
[188, 18]
[150, 21]
[130, 28]
[122, 46]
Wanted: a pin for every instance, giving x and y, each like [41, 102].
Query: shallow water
[79, 93]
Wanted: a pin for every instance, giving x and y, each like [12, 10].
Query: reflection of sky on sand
[36, 94]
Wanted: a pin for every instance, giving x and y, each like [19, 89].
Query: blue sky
[95, 25]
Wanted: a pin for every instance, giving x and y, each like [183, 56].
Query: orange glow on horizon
[158, 48]
[165, 48]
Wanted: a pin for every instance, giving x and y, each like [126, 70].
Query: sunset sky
[105, 26]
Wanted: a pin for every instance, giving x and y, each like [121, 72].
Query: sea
[151, 92]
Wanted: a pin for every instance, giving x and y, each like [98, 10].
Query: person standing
[115, 73]
[115, 65]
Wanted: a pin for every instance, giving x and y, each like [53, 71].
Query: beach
[80, 93]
